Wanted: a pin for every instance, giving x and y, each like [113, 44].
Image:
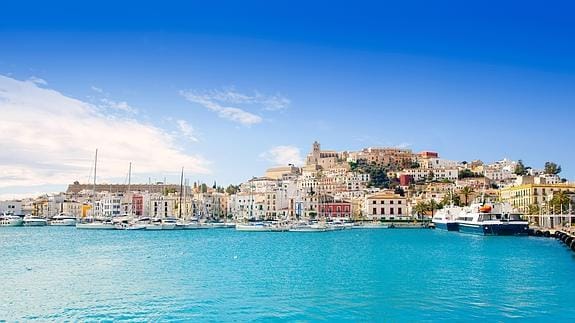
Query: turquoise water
[56, 274]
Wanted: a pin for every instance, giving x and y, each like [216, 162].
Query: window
[374, 210]
[382, 211]
[374, 202]
[391, 211]
[382, 202]
[399, 211]
[390, 202]
[398, 202]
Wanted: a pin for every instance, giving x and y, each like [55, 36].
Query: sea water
[57, 274]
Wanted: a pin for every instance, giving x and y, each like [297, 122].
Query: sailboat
[127, 221]
[187, 225]
[93, 224]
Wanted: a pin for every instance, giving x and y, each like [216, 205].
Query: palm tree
[467, 191]
[420, 208]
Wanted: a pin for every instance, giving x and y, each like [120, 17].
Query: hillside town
[373, 184]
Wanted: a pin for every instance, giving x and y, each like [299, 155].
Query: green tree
[520, 169]
[399, 190]
[533, 209]
[448, 198]
[560, 202]
[466, 192]
[378, 177]
[232, 189]
[434, 206]
[430, 176]
[420, 208]
[204, 188]
[552, 169]
[169, 191]
[353, 166]
[467, 173]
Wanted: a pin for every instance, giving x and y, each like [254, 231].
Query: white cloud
[283, 155]
[122, 106]
[403, 145]
[268, 102]
[37, 80]
[97, 89]
[216, 100]
[186, 130]
[230, 113]
[21, 196]
[49, 139]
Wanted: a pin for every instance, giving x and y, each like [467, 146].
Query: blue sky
[473, 80]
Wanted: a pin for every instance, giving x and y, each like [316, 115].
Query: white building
[110, 205]
[419, 174]
[11, 207]
[436, 163]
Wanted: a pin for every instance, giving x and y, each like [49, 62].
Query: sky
[227, 89]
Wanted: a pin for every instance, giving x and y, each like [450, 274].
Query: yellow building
[522, 196]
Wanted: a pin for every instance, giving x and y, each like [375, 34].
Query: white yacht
[128, 223]
[254, 226]
[130, 226]
[194, 225]
[446, 218]
[485, 220]
[309, 227]
[161, 224]
[337, 226]
[371, 225]
[221, 225]
[63, 220]
[10, 220]
[34, 221]
[96, 225]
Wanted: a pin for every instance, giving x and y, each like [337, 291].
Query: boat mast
[181, 191]
[94, 187]
[129, 189]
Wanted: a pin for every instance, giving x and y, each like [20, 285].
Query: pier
[558, 226]
[566, 236]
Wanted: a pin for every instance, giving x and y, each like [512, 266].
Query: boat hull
[447, 226]
[253, 228]
[35, 223]
[63, 223]
[95, 226]
[309, 228]
[503, 229]
[194, 226]
[11, 223]
[154, 227]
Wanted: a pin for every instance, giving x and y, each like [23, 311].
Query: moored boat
[485, 220]
[96, 225]
[194, 225]
[63, 220]
[161, 224]
[34, 221]
[373, 225]
[309, 227]
[254, 226]
[446, 218]
[10, 220]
